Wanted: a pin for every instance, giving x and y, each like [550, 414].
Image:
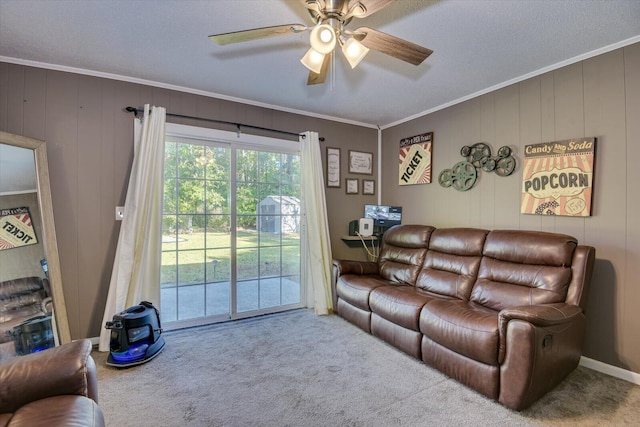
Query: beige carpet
[298, 369]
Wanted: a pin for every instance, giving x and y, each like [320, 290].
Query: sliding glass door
[267, 191]
[231, 230]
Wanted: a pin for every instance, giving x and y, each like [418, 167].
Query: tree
[196, 182]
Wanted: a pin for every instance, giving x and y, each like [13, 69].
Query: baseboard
[95, 341]
[614, 371]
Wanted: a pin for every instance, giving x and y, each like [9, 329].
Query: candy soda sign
[415, 159]
[557, 178]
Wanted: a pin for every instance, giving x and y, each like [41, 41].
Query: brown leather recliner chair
[55, 387]
[21, 299]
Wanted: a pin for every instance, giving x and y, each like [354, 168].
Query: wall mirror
[33, 314]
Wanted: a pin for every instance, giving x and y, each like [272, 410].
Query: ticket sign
[557, 178]
[415, 159]
[16, 228]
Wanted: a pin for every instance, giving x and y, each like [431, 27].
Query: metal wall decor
[463, 175]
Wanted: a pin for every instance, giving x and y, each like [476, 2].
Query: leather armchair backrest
[452, 262]
[20, 299]
[402, 253]
[524, 268]
[21, 286]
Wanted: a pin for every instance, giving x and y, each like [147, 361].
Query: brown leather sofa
[501, 311]
[55, 387]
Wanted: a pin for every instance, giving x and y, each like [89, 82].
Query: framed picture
[17, 229]
[415, 159]
[368, 186]
[333, 167]
[351, 186]
[360, 162]
[557, 177]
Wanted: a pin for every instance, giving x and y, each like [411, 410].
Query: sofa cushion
[402, 253]
[524, 268]
[67, 410]
[501, 285]
[355, 289]
[530, 247]
[404, 339]
[400, 304]
[355, 315]
[464, 327]
[452, 262]
[21, 286]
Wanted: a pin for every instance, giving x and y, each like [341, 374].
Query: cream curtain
[318, 259]
[136, 268]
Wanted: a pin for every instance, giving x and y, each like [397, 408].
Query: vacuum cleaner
[135, 336]
[33, 335]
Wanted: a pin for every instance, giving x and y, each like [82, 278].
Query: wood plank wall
[597, 97]
[90, 150]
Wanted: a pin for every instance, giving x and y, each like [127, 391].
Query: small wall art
[360, 162]
[368, 187]
[333, 167]
[351, 186]
[557, 178]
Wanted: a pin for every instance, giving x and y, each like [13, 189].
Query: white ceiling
[478, 45]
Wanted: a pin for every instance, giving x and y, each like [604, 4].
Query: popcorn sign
[415, 159]
[557, 178]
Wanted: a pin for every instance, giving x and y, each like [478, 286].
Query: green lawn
[200, 256]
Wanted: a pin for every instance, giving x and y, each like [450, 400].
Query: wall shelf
[354, 241]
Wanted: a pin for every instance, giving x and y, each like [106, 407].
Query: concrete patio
[213, 299]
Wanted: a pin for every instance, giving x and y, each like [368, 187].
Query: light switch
[119, 213]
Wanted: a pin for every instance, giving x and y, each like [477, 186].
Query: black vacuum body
[135, 336]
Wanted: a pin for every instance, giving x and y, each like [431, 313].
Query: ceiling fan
[331, 18]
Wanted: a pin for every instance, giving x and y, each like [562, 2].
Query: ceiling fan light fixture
[354, 51]
[313, 60]
[323, 38]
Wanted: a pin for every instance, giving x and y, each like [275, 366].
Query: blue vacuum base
[135, 355]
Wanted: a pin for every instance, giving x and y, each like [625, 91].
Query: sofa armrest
[539, 346]
[341, 267]
[62, 370]
[544, 316]
[354, 267]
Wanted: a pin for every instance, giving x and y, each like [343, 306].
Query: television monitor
[383, 216]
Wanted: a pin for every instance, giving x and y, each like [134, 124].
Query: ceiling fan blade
[393, 46]
[370, 7]
[257, 33]
[316, 79]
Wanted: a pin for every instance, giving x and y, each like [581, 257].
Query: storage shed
[279, 214]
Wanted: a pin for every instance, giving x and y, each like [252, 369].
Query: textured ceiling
[477, 45]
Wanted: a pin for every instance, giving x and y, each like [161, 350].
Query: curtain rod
[135, 111]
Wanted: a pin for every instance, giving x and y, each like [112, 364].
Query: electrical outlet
[119, 213]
